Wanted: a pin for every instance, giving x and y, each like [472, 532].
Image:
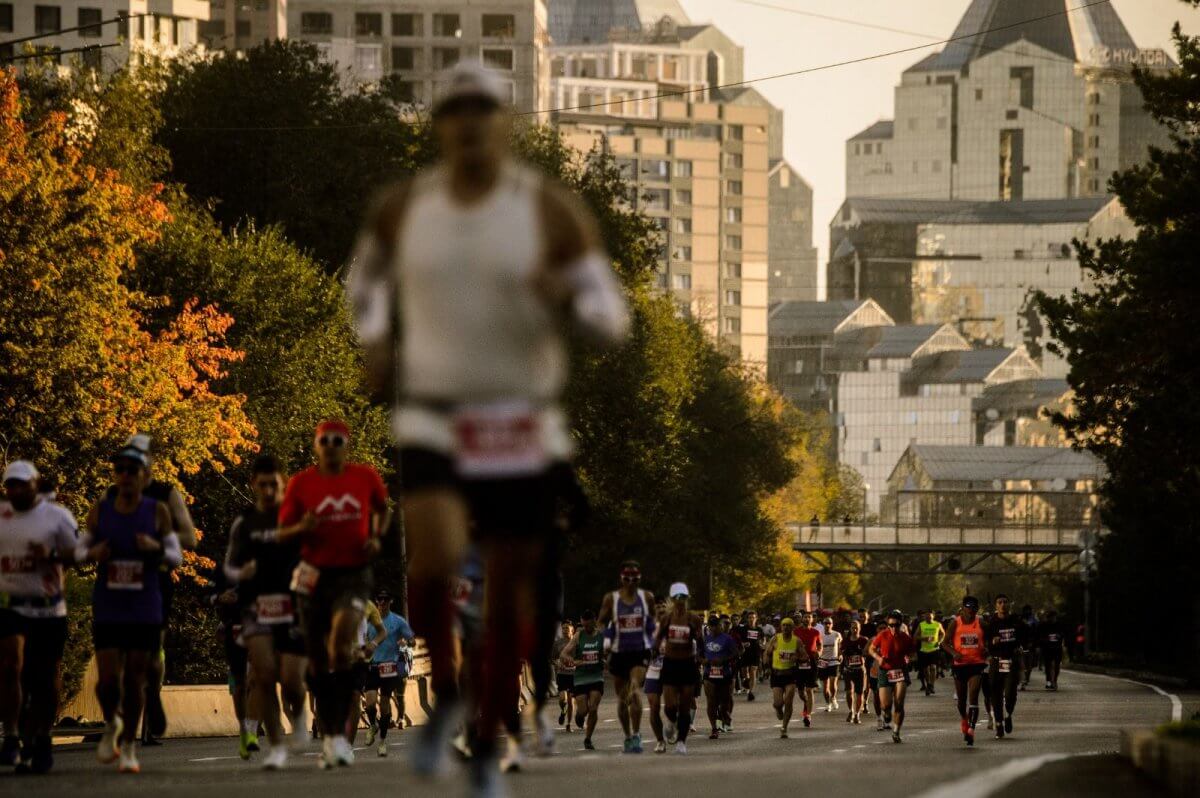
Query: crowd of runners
[465, 285]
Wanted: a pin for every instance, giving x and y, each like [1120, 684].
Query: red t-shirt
[343, 504]
[811, 638]
[894, 648]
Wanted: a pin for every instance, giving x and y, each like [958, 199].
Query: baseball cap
[971, 602]
[678, 589]
[787, 622]
[469, 79]
[383, 595]
[21, 471]
[132, 453]
[140, 441]
[333, 425]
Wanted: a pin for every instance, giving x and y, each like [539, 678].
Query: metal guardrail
[930, 538]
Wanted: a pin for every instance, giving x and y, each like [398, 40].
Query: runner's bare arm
[947, 640]
[181, 519]
[85, 549]
[606, 610]
[577, 275]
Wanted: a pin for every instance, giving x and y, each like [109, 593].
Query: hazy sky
[823, 109]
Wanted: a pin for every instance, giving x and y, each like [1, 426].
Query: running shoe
[514, 759]
[714, 735]
[372, 733]
[779, 713]
[896, 737]
[625, 745]
[486, 781]
[991, 724]
[849, 717]
[681, 747]
[783, 734]
[244, 745]
[545, 736]
[42, 758]
[670, 732]
[969, 737]
[727, 727]
[108, 749]
[428, 757]
[276, 758]
[562, 716]
[1008, 724]
[588, 744]
[327, 759]
[660, 747]
[128, 756]
[343, 751]
[156, 718]
[382, 750]
[750, 695]
[807, 721]
[835, 704]
[857, 719]
[635, 745]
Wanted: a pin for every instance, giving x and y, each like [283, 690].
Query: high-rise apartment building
[114, 32]
[416, 40]
[1012, 110]
[242, 24]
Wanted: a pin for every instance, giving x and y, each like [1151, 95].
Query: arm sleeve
[180, 515]
[369, 291]
[234, 557]
[66, 537]
[405, 631]
[172, 552]
[598, 307]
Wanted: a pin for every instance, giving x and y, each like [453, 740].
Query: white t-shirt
[22, 577]
[831, 644]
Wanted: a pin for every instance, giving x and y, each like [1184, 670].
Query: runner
[1029, 657]
[965, 644]
[229, 608]
[681, 637]
[930, 633]
[891, 649]
[369, 636]
[854, 671]
[128, 535]
[870, 627]
[37, 537]
[261, 565]
[806, 663]
[720, 655]
[585, 653]
[564, 676]
[483, 260]
[628, 610]
[751, 636]
[653, 690]
[1006, 637]
[827, 665]
[337, 510]
[387, 674]
[781, 652]
[1052, 635]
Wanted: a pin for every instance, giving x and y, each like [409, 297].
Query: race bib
[804, 666]
[274, 608]
[715, 672]
[1005, 666]
[1008, 635]
[752, 635]
[679, 634]
[498, 441]
[305, 578]
[968, 641]
[895, 675]
[631, 623]
[787, 656]
[655, 669]
[126, 574]
[388, 670]
[590, 657]
[1051, 638]
[17, 565]
[854, 662]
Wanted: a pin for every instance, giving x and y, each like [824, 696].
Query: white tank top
[472, 327]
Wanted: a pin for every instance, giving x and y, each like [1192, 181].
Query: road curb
[1175, 764]
[1150, 677]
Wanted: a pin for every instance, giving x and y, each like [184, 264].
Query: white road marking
[838, 751]
[993, 780]
[1176, 704]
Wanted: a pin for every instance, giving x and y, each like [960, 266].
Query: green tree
[1133, 354]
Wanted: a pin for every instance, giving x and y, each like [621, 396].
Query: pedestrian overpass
[975, 533]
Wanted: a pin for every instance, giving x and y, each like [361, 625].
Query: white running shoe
[514, 759]
[829, 707]
[670, 732]
[276, 758]
[129, 761]
[343, 751]
[328, 756]
[835, 704]
[109, 747]
[680, 747]
[428, 756]
[660, 748]
[382, 749]
[545, 735]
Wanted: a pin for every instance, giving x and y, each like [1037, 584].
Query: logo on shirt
[341, 508]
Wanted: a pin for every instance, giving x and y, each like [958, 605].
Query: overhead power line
[55, 52]
[60, 31]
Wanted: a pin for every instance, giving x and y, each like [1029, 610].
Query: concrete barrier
[1173, 763]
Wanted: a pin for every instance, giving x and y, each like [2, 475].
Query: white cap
[21, 470]
[470, 78]
[678, 589]
[139, 441]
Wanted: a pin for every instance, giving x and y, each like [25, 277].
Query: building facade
[1041, 110]
[791, 257]
[416, 40]
[242, 24]
[114, 32]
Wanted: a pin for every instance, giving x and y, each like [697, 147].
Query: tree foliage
[1133, 353]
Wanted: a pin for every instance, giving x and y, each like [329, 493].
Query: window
[1094, 163]
[887, 168]
[1093, 98]
[241, 27]
[1094, 141]
[657, 199]
[954, 416]
[403, 91]
[1093, 185]
[661, 222]
[368, 25]
[87, 16]
[856, 146]
[733, 187]
[682, 225]
[797, 367]
[681, 253]
[92, 58]
[1020, 86]
[407, 24]
[499, 26]
[912, 417]
[681, 282]
[368, 59]
[447, 25]
[6, 18]
[877, 445]
[1094, 120]
[498, 58]
[445, 57]
[683, 168]
[733, 215]
[733, 132]
[733, 160]
[733, 271]
[316, 23]
[1010, 114]
[733, 297]
[978, 95]
[866, 458]
[47, 19]
[683, 196]
[656, 169]
[732, 325]
[733, 242]
[1018, 254]
[404, 58]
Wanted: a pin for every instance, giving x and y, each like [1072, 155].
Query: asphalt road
[1063, 745]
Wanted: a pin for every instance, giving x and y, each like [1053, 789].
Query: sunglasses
[335, 441]
[131, 469]
[631, 576]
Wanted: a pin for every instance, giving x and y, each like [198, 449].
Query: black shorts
[782, 679]
[584, 689]
[127, 636]
[679, 673]
[926, 659]
[1052, 654]
[45, 638]
[856, 677]
[966, 672]
[236, 655]
[374, 682]
[827, 672]
[520, 507]
[286, 638]
[806, 677]
[751, 658]
[166, 589]
[337, 589]
[564, 681]
[622, 663]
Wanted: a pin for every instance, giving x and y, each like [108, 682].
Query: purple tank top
[127, 589]
[633, 624]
